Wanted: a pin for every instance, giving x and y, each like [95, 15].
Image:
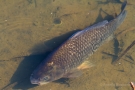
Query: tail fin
[123, 5]
[123, 14]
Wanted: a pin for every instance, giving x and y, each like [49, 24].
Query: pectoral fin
[86, 64]
[77, 72]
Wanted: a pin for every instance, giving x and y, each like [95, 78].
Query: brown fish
[70, 58]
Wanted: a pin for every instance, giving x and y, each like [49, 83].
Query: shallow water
[31, 29]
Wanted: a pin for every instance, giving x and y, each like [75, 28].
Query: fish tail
[123, 14]
[123, 5]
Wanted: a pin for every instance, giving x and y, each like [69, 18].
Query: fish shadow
[116, 49]
[109, 1]
[21, 77]
[100, 18]
[116, 43]
[109, 18]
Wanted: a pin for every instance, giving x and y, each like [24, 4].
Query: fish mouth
[38, 83]
[35, 81]
[42, 83]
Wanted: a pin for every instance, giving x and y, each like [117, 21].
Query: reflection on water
[31, 29]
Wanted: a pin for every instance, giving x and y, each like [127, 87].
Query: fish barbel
[70, 58]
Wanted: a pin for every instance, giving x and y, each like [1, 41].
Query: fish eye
[46, 78]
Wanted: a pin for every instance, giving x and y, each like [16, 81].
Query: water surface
[31, 29]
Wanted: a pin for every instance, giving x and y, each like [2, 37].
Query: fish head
[46, 73]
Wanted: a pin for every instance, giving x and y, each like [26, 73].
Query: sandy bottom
[30, 29]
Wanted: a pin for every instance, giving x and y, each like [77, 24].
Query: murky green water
[31, 29]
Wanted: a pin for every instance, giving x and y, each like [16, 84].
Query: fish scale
[71, 54]
[83, 49]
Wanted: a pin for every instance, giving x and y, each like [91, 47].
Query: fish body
[70, 57]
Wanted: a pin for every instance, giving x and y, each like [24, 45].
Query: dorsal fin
[98, 25]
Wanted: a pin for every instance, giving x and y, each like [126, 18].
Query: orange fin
[86, 64]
